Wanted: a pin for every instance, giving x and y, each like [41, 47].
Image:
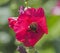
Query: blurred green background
[48, 44]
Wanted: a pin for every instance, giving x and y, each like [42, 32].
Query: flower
[56, 9]
[29, 26]
[21, 10]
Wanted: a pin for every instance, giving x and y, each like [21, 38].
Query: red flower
[29, 26]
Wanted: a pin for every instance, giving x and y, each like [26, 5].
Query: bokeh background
[49, 43]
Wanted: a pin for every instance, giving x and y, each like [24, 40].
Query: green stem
[26, 3]
[31, 50]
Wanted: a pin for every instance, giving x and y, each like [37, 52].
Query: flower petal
[12, 22]
[30, 11]
[20, 36]
[33, 37]
[40, 12]
[42, 23]
[21, 10]
[22, 23]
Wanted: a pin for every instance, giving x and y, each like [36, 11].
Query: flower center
[33, 26]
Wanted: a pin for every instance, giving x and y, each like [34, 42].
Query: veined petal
[42, 23]
[33, 37]
[20, 36]
[12, 22]
[40, 12]
[30, 11]
[21, 24]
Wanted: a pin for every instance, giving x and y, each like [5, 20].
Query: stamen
[33, 26]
